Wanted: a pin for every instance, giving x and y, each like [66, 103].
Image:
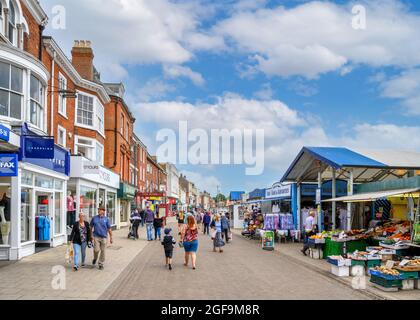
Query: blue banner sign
[4, 133]
[8, 165]
[38, 147]
[60, 161]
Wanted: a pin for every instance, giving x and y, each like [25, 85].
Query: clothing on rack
[43, 224]
[286, 222]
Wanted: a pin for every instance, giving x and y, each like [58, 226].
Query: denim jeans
[158, 233]
[149, 227]
[79, 250]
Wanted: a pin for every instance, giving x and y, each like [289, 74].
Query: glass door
[44, 217]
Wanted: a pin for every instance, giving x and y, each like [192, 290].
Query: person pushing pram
[135, 220]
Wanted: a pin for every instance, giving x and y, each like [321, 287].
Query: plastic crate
[396, 283]
[343, 271]
[358, 262]
[406, 275]
[373, 263]
[339, 263]
[384, 276]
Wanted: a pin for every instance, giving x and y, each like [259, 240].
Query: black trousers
[136, 225]
[206, 229]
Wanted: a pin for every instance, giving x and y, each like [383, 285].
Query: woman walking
[216, 225]
[180, 218]
[158, 223]
[190, 238]
[79, 237]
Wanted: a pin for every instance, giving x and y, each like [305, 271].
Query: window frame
[60, 128]
[10, 91]
[62, 100]
[40, 116]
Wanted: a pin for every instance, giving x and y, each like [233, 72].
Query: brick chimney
[82, 59]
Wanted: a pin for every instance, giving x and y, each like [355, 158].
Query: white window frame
[64, 131]
[92, 146]
[41, 104]
[10, 91]
[62, 100]
[100, 117]
[101, 146]
[76, 118]
[96, 106]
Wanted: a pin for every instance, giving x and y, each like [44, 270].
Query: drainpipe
[52, 94]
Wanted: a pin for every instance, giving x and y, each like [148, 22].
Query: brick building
[138, 167]
[76, 118]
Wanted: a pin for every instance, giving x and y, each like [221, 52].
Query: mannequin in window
[71, 210]
[5, 202]
[4, 226]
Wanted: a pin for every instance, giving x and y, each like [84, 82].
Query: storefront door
[43, 218]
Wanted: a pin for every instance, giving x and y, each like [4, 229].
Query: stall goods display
[410, 266]
[385, 272]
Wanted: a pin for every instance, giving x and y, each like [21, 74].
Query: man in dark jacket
[142, 215]
[206, 223]
[225, 227]
[149, 217]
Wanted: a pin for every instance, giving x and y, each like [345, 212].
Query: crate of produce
[387, 283]
[406, 275]
[379, 274]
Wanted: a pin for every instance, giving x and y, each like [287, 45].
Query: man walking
[225, 227]
[100, 229]
[149, 217]
[206, 223]
[310, 230]
[142, 215]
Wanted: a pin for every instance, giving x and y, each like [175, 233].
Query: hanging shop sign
[4, 133]
[8, 165]
[126, 191]
[36, 147]
[279, 191]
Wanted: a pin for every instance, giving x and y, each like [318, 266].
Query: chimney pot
[82, 58]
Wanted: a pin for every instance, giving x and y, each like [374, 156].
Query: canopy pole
[319, 204]
[299, 208]
[349, 205]
[334, 195]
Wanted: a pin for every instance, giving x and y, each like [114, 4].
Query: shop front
[91, 186]
[32, 205]
[156, 201]
[126, 197]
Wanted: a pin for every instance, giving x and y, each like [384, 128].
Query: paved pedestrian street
[135, 270]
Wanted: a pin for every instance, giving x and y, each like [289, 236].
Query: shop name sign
[8, 165]
[4, 133]
[279, 191]
[39, 147]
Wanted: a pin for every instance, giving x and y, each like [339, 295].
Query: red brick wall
[120, 151]
[31, 41]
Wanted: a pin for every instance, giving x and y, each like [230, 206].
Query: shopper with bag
[225, 227]
[80, 237]
[190, 241]
[216, 227]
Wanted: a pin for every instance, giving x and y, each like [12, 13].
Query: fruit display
[387, 271]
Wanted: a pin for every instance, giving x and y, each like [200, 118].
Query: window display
[111, 203]
[26, 204]
[57, 213]
[88, 202]
[5, 215]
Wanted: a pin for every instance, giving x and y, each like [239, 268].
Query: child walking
[168, 244]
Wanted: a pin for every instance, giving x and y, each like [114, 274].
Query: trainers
[101, 267]
[94, 262]
[170, 267]
[75, 268]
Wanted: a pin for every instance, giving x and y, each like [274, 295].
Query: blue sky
[310, 77]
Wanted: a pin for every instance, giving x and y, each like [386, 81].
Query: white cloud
[136, 31]
[317, 37]
[207, 183]
[265, 92]
[176, 71]
[154, 89]
[303, 89]
[404, 87]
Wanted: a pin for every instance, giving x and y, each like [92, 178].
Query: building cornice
[64, 62]
[37, 12]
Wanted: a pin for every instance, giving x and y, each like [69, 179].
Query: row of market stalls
[366, 206]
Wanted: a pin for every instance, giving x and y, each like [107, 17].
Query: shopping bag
[230, 236]
[213, 233]
[69, 253]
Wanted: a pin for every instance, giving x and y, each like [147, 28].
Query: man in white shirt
[310, 227]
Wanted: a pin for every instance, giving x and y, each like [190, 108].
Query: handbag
[69, 253]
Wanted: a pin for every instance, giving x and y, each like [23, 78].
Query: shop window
[5, 211]
[59, 185]
[36, 110]
[11, 91]
[25, 208]
[61, 136]
[27, 178]
[57, 213]
[84, 110]
[62, 100]
[88, 202]
[111, 201]
[44, 182]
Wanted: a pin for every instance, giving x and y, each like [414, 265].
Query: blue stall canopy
[236, 195]
[366, 166]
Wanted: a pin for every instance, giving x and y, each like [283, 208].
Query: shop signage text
[59, 162]
[279, 191]
[38, 147]
[8, 165]
[4, 133]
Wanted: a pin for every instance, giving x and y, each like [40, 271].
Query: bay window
[36, 109]
[99, 153]
[11, 91]
[90, 149]
[12, 23]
